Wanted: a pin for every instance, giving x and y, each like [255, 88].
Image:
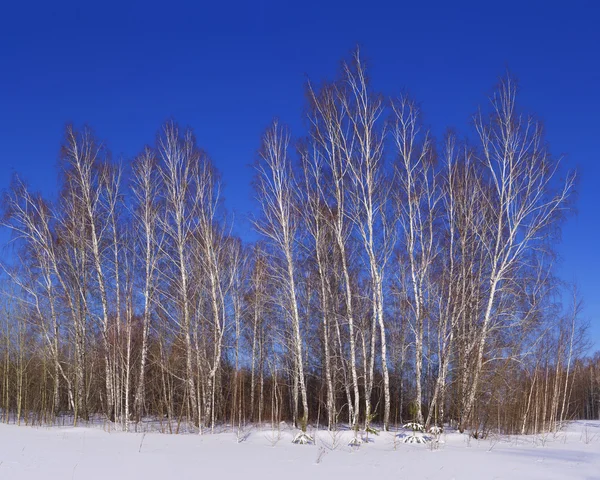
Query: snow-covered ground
[93, 453]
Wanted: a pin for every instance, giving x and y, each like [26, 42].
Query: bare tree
[332, 148]
[276, 190]
[316, 225]
[417, 204]
[370, 199]
[179, 172]
[87, 182]
[146, 190]
[522, 181]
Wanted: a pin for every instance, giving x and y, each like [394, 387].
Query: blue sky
[227, 68]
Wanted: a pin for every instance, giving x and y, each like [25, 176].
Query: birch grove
[393, 276]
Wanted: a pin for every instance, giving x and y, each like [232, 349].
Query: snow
[91, 453]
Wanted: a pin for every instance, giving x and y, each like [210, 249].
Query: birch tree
[416, 203]
[276, 191]
[333, 147]
[527, 197]
[370, 202]
[146, 190]
[179, 174]
[87, 182]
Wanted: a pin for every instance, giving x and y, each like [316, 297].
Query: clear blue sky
[227, 68]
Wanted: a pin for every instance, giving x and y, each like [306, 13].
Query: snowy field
[93, 453]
